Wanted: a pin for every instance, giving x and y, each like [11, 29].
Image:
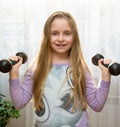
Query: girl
[59, 80]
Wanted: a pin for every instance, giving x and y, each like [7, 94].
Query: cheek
[52, 39]
[70, 41]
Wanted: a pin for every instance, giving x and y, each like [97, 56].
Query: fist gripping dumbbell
[114, 68]
[6, 65]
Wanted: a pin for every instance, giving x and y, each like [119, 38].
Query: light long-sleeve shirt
[58, 89]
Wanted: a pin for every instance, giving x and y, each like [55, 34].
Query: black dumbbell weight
[114, 68]
[6, 65]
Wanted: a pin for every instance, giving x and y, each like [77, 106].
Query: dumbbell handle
[114, 68]
[6, 65]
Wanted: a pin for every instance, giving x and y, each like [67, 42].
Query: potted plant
[7, 111]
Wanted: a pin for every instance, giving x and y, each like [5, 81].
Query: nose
[61, 37]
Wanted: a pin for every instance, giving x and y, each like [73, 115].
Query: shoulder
[30, 70]
[89, 77]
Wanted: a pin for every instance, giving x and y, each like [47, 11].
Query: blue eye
[54, 33]
[67, 33]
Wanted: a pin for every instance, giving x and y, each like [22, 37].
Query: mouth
[61, 45]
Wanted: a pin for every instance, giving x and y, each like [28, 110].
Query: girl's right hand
[14, 72]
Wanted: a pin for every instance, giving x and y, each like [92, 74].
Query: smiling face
[61, 37]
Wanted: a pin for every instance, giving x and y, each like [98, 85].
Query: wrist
[13, 74]
[106, 77]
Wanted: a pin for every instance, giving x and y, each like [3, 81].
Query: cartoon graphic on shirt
[57, 112]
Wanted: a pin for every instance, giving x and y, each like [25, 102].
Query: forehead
[60, 23]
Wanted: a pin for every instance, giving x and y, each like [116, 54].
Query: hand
[106, 76]
[15, 68]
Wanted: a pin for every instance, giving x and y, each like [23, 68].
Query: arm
[97, 96]
[21, 93]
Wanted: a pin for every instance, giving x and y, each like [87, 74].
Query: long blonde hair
[44, 62]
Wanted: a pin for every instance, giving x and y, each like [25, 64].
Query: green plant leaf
[7, 111]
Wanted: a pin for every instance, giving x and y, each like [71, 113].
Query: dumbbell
[6, 65]
[114, 68]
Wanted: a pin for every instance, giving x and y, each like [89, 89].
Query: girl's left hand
[106, 76]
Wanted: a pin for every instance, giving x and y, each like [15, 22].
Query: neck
[60, 58]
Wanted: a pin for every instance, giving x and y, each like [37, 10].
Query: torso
[58, 89]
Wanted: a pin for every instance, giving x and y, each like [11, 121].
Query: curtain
[98, 22]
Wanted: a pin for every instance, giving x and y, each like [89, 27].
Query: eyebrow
[68, 30]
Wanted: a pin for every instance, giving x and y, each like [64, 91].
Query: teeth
[61, 44]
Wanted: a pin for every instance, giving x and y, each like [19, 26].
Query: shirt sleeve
[21, 93]
[96, 95]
